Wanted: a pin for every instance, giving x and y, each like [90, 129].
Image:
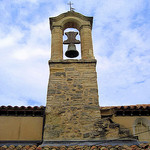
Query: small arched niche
[141, 128]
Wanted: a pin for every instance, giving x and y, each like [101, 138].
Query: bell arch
[71, 20]
[71, 24]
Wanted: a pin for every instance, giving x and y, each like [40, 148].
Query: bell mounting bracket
[71, 38]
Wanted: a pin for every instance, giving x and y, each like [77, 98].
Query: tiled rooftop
[22, 107]
[22, 111]
[139, 106]
[76, 147]
[40, 110]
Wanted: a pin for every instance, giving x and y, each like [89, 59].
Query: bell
[71, 52]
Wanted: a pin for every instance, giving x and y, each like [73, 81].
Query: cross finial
[71, 8]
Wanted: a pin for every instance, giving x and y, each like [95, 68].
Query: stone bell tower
[72, 109]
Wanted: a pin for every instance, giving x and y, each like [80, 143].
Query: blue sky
[121, 41]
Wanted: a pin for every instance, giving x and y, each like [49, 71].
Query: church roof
[130, 110]
[127, 107]
[40, 110]
[22, 110]
[94, 147]
[138, 106]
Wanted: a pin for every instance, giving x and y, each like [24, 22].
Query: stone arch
[141, 129]
[71, 23]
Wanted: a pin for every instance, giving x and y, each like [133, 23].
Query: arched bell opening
[76, 21]
[71, 24]
[71, 50]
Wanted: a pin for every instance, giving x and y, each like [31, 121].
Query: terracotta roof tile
[22, 107]
[138, 106]
[22, 111]
[94, 147]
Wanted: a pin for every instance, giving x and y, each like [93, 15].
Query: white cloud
[24, 67]
[122, 50]
[121, 38]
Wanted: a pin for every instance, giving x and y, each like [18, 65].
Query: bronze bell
[71, 51]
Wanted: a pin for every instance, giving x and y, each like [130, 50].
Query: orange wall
[21, 128]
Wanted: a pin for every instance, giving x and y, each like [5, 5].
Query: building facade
[72, 112]
[27, 123]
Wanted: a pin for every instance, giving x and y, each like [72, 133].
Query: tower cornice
[70, 14]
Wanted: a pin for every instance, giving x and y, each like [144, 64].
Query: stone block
[86, 135]
[60, 74]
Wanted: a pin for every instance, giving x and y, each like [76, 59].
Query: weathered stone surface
[60, 74]
[86, 135]
[71, 102]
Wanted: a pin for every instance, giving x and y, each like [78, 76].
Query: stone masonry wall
[72, 108]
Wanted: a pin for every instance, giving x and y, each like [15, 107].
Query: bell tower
[72, 109]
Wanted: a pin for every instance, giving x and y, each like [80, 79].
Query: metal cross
[71, 8]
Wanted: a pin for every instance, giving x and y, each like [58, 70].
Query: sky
[121, 42]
